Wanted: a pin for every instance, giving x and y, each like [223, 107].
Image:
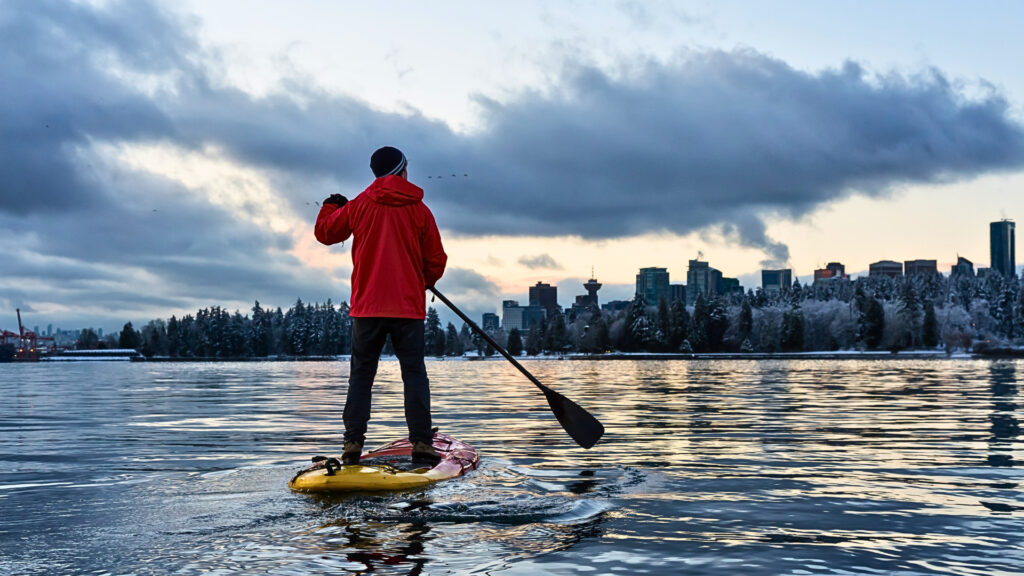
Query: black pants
[368, 335]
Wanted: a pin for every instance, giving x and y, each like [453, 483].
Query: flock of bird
[438, 177]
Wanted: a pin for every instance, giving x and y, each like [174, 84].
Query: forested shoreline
[872, 314]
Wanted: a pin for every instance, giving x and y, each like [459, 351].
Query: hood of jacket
[393, 191]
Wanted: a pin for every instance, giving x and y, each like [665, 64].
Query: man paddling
[396, 255]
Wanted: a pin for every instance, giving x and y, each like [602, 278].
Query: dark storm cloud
[711, 141]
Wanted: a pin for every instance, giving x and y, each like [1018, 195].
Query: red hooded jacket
[396, 249]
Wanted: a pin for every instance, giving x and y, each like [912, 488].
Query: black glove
[336, 199]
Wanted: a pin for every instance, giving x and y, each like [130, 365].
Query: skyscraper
[1002, 247]
[546, 296]
[701, 278]
[653, 284]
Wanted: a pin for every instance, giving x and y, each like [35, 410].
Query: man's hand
[337, 199]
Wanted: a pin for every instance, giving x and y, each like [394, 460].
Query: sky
[159, 157]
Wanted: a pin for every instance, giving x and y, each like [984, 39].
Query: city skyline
[168, 156]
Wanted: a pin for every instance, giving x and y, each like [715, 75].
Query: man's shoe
[353, 450]
[424, 453]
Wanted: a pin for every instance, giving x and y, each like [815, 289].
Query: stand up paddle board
[386, 468]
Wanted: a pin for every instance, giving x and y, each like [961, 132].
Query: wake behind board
[387, 468]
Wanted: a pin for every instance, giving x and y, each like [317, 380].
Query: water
[720, 467]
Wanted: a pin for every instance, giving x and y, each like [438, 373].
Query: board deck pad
[389, 467]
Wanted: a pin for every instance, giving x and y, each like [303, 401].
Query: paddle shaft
[577, 422]
[489, 340]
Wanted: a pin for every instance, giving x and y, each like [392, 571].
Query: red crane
[26, 342]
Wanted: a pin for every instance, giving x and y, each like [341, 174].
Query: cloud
[710, 140]
[543, 261]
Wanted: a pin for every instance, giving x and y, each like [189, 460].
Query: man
[396, 255]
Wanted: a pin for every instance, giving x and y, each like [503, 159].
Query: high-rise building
[545, 296]
[777, 280]
[729, 285]
[701, 278]
[832, 271]
[653, 284]
[920, 268]
[616, 305]
[490, 322]
[521, 317]
[1002, 247]
[885, 268]
[677, 292]
[963, 267]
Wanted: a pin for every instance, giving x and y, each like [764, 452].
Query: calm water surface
[720, 467]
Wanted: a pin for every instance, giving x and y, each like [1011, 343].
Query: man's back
[396, 249]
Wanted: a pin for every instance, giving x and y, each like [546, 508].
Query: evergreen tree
[557, 337]
[678, 323]
[87, 340]
[910, 311]
[453, 344]
[873, 324]
[174, 344]
[466, 336]
[595, 338]
[717, 323]
[792, 339]
[261, 332]
[154, 339]
[637, 332]
[129, 338]
[746, 320]
[515, 342]
[533, 341]
[344, 329]
[697, 331]
[930, 326]
[433, 335]
[1007, 309]
[661, 337]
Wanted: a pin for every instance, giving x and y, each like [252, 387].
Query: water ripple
[759, 467]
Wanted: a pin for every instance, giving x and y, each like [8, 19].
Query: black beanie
[387, 161]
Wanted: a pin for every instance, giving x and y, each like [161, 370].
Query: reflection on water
[1005, 426]
[759, 467]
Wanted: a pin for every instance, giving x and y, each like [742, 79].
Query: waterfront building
[885, 268]
[1002, 247]
[920, 268]
[776, 280]
[653, 284]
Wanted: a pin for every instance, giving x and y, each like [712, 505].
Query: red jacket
[396, 250]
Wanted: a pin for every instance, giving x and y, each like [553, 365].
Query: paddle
[580, 424]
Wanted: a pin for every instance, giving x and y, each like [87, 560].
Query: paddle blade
[578, 423]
